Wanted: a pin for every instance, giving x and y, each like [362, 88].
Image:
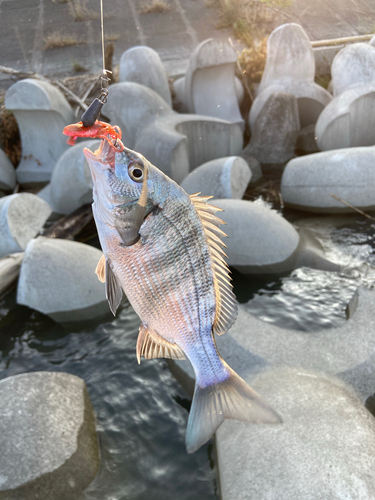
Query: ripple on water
[141, 425]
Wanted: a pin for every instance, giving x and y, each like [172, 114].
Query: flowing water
[141, 409]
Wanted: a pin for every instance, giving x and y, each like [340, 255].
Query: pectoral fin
[152, 345]
[113, 290]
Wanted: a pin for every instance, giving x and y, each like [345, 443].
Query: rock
[143, 65]
[348, 120]
[306, 141]
[289, 55]
[311, 99]
[260, 240]
[41, 112]
[322, 450]
[71, 183]
[22, 216]
[275, 131]
[309, 181]
[353, 65]
[209, 87]
[254, 165]
[49, 448]
[58, 279]
[220, 178]
[7, 172]
[175, 143]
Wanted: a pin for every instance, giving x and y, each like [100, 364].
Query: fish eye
[136, 173]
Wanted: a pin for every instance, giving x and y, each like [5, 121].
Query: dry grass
[252, 61]
[56, 40]
[250, 19]
[79, 11]
[111, 37]
[79, 68]
[155, 6]
[10, 140]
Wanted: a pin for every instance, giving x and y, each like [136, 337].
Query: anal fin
[152, 345]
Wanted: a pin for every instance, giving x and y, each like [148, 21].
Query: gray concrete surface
[22, 215]
[49, 448]
[58, 279]
[321, 451]
[25, 23]
[308, 181]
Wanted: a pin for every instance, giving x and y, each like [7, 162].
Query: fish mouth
[105, 154]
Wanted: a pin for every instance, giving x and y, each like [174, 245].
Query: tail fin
[233, 399]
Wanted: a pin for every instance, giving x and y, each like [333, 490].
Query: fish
[163, 248]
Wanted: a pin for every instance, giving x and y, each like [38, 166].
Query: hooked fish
[164, 249]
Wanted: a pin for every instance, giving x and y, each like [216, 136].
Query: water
[141, 409]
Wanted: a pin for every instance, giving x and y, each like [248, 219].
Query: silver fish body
[176, 280]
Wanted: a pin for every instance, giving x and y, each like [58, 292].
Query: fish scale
[164, 250]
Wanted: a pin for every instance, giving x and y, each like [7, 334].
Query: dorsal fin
[152, 345]
[226, 304]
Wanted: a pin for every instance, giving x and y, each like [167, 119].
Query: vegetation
[10, 140]
[79, 68]
[250, 19]
[79, 11]
[252, 61]
[155, 6]
[56, 40]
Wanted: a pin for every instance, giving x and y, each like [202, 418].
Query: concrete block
[48, 442]
[22, 216]
[306, 141]
[309, 181]
[275, 131]
[210, 87]
[221, 178]
[143, 65]
[348, 120]
[8, 178]
[254, 165]
[289, 54]
[175, 143]
[58, 279]
[322, 450]
[71, 182]
[311, 99]
[260, 240]
[353, 65]
[41, 112]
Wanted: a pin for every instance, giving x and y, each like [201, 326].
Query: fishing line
[91, 114]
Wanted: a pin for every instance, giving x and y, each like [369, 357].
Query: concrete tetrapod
[275, 131]
[48, 442]
[289, 54]
[348, 120]
[308, 181]
[221, 178]
[71, 183]
[210, 87]
[58, 279]
[311, 99]
[321, 451]
[7, 173]
[22, 215]
[261, 241]
[353, 65]
[173, 142]
[41, 112]
[143, 65]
